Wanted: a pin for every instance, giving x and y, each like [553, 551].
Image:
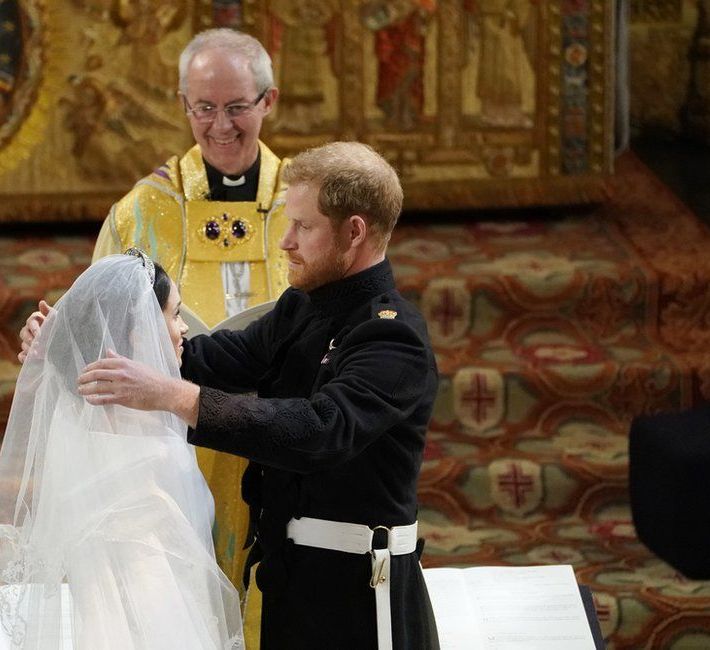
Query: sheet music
[509, 608]
[479, 608]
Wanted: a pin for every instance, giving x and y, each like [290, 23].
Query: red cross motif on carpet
[478, 397]
[516, 485]
[446, 312]
[446, 304]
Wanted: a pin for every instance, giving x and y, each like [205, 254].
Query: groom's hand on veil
[31, 329]
[119, 380]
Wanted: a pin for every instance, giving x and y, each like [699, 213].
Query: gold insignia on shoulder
[387, 313]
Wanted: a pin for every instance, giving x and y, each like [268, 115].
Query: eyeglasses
[208, 113]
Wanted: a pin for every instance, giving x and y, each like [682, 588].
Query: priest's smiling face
[316, 248]
[218, 79]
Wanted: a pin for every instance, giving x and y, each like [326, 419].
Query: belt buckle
[379, 567]
[389, 531]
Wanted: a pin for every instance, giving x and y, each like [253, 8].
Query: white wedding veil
[105, 503]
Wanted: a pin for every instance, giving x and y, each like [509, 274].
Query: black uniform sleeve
[381, 373]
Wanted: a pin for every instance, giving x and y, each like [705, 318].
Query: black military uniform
[346, 380]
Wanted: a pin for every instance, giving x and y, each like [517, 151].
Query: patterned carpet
[551, 334]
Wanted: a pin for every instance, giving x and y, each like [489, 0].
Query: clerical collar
[233, 182]
[343, 295]
[233, 188]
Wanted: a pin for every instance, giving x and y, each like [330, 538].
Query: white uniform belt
[357, 538]
[349, 538]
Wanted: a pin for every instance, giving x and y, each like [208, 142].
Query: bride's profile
[105, 503]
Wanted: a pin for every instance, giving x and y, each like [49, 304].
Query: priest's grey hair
[232, 42]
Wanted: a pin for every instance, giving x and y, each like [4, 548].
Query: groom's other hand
[31, 329]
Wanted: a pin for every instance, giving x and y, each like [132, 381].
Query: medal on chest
[326, 357]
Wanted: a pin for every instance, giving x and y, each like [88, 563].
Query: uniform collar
[343, 295]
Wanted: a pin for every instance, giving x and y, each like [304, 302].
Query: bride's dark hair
[161, 286]
[158, 277]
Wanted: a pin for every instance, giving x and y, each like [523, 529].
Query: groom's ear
[357, 230]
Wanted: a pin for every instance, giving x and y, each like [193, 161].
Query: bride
[107, 503]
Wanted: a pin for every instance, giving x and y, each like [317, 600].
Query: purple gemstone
[212, 230]
[239, 229]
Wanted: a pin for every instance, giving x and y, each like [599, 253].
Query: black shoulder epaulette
[384, 307]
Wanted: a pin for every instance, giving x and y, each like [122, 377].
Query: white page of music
[509, 608]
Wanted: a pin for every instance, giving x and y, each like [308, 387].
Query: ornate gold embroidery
[226, 231]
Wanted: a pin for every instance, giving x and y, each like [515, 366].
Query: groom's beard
[327, 267]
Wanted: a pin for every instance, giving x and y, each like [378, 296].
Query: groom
[346, 381]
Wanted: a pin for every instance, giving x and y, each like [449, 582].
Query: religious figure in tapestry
[116, 119]
[10, 53]
[20, 64]
[144, 24]
[228, 13]
[302, 44]
[501, 37]
[400, 29]
[655, 11]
